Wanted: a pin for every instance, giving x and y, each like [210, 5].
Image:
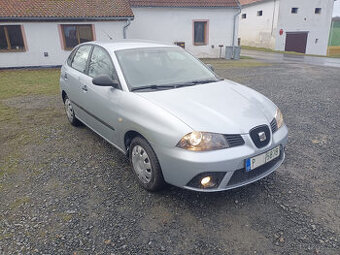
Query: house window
[317, 10]
[295, 10]
[76, 34]
[200, 32]
[11, 38]
[244, 16]
[259, 13]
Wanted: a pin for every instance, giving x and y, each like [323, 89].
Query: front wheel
[145, 165]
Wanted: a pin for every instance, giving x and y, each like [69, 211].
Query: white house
[203, 27]
[286, 25]
[42, 33]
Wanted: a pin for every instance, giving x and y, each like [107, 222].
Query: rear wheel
[145, 165]
[70, 112]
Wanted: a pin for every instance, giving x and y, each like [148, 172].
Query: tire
[145, 165]
[70, 112]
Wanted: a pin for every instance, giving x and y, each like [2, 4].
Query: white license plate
[259, 160]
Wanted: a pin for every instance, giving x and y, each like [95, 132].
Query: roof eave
[214, 7]
[51, 19]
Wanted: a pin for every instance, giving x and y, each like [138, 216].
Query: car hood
[220, 107]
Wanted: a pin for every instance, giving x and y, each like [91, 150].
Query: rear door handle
[65, 76]
[84, 87]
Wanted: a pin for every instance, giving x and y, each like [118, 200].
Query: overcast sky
[336, 10]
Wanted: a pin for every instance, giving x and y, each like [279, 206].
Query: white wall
[259, 31]
[318, 25]
[176, 24]
[44, 37]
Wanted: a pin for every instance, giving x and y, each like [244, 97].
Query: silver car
[176, 120]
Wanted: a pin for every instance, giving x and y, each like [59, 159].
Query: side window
[80, 58]
[70, 58]
[101, 63]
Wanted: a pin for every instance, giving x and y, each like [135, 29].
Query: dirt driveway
[63, 190]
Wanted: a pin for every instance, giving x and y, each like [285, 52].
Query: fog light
[205, 181]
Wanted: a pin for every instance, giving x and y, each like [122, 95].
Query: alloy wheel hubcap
[69, 109]
[141, 164]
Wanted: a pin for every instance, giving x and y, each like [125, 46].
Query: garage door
[296, 41]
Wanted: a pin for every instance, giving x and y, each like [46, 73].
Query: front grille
[273, 125]
[241, 175]
[234, 140]
[255, 135]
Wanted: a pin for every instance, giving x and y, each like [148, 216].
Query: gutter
[234, 27]
[125, 27]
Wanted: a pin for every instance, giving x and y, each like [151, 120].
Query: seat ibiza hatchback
[176, 120]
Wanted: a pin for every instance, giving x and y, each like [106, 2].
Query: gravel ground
[64, 190]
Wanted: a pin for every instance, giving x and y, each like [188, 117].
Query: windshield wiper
[154, 87]
[196, 82]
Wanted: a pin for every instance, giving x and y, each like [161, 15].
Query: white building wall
[318, 25]
[44, 37]
[259, 31]
[171, 25]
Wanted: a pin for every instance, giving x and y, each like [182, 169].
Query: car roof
[130, 44]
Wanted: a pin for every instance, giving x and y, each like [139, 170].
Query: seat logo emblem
[262, 136]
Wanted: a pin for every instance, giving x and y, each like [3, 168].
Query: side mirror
[211, 67]
[105, 81]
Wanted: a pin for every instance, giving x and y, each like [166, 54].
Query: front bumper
[180, 166]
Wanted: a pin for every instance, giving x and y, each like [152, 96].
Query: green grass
[282, 52]
[14, 131]
[15, 83]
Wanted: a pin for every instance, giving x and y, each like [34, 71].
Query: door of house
[296, 41]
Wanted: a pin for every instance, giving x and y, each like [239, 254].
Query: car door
[102, 103]
[75, 74]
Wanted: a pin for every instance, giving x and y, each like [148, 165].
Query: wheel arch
[63, 95]
[129, 135]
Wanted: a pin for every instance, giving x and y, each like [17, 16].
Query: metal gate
[296, 41]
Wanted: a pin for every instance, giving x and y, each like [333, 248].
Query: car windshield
[166, 66]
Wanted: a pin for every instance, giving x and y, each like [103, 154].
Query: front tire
[145, 165]
[70, 112]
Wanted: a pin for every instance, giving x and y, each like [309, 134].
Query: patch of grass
[246, 57]
[220, 63]
[7, 113]
[10, 166]
[284, 52]
[18, 202]
[66, 217]
[15, 83]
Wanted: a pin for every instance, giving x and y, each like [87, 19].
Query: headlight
[279, 118]
[203, 141]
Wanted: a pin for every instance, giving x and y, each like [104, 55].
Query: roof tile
[64, 9]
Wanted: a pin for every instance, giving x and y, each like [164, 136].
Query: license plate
[259, 160]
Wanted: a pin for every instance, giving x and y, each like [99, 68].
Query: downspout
[234, 28]
[125, 27]
[274, 9]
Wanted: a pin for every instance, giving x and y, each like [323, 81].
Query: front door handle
[84, 87]
[65, 76]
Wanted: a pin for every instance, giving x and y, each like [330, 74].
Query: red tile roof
[246, 2]
[64, 9]
[184, 3]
